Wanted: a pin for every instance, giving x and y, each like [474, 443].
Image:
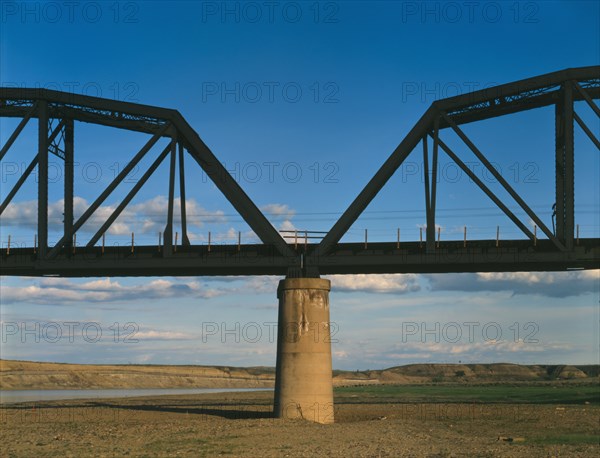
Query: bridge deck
[345, 258]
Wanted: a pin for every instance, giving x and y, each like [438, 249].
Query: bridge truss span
[57, 112]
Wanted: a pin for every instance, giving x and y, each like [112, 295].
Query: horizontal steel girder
[346, 258]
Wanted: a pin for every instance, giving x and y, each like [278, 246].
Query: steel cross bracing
[57, 113]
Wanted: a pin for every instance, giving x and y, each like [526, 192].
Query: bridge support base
[303, 383]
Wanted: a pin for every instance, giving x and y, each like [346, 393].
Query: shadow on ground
[228, 411]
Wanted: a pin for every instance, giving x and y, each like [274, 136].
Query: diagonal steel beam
[231, 189]
[586, 129]
[26, 174]
[17, 131]
[380, 178]
[502, 181]
[586, 97]
[485, 189]
[18, 184]
[118, 179]
[115, 214]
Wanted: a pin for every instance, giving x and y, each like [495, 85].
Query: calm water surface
[7, 397]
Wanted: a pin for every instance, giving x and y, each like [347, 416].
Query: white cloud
[287, 225]
[551, 284]
[381, 283]
[262, 285]
[64, 291]
[162, 335]
[144, 217]
[380, 355]
[538, 278]
[278, 210]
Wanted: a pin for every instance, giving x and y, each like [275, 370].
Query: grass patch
[505, 394]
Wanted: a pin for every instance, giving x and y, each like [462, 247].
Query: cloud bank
[550, 284]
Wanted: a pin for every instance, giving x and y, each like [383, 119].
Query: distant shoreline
[28, 375]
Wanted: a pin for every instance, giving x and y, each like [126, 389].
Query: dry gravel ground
[239, 424]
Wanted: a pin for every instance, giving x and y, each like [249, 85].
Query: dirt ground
[240, 424]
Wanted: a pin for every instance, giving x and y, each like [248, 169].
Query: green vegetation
[508, 394]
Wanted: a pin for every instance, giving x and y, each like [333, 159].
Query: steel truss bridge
[56, 113]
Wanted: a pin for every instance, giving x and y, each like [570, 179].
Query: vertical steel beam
[430, 187]
[569, 167]
[560, 168]
[428, 215]
[42, 178]
[426, 178]
[430, 236]
[169, 229]
[69, 175]
[184, 237]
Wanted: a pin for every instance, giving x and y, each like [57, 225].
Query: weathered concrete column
[303, 383]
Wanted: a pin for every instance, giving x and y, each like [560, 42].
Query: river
[12, 396]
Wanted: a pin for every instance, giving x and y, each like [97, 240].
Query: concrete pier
[303, 384]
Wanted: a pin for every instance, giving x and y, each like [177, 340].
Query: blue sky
[302, 101]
